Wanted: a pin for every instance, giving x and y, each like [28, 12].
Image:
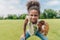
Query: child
[36, 26]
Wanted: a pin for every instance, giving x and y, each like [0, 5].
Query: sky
[19, 6]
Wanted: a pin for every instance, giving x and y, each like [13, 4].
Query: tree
[22, 16]
[10, 16]
[1, 18]
[58, 14]
[49, 13]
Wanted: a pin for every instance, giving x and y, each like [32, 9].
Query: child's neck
[34, 22]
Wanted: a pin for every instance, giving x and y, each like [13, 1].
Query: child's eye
[31, 15]
[35, 15]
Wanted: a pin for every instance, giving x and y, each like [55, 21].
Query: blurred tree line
[46, 14]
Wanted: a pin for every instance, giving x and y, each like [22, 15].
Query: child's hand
[40, 24]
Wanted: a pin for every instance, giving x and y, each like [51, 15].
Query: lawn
[13, 29]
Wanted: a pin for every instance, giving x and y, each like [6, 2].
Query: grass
[13, 29]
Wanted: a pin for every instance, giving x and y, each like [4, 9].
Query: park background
[13, 13]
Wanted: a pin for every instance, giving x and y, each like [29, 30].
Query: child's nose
[33, 17]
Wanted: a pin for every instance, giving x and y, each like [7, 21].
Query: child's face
[34, 15]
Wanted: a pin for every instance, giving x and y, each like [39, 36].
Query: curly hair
[33, 5]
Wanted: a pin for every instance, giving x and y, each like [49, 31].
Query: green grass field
[13, 29]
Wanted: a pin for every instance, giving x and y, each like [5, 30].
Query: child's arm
[25, 23]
